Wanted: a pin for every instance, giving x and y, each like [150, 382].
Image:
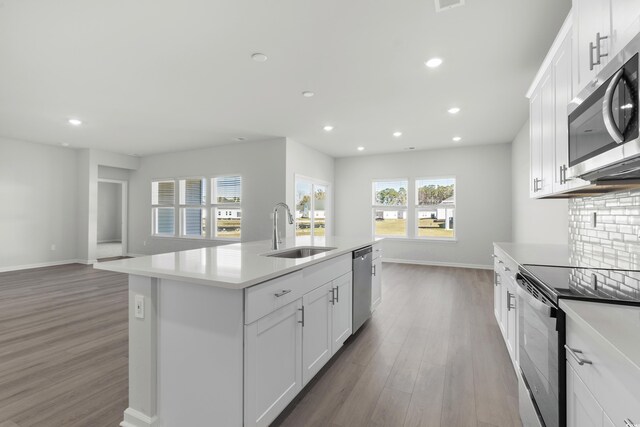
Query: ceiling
[152, 76]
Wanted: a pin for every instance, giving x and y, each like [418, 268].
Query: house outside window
[389, 207]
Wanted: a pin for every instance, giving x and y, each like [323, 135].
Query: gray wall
[262, 165]
[534, 220]
[109, 212]
[38, 189]
[483, 200]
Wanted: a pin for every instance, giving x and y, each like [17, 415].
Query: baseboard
[109, 241]
[437, 263]
[86, 261]
[133, 418]
[135, 255]
[40, 265]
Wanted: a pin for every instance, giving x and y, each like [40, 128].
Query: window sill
[417, 239]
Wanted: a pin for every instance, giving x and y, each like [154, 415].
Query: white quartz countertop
[619, 325]
[539, 254]
[234, 266]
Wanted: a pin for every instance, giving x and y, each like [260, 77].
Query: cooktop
[597, 284]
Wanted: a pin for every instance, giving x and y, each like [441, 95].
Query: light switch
[139, 306]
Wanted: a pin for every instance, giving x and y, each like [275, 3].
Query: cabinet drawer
[267, 297]
[324, 272]
[611, 378]
[377, 250]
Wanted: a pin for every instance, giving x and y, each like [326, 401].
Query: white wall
[483, 200]
[38, 189]
[305, 161]
[262, 165]
[534, 221]
[109, 212]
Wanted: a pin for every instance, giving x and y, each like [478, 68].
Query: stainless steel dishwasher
[361, 286]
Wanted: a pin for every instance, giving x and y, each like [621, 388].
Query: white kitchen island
[226, 336]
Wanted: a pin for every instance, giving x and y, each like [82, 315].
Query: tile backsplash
[614, 240]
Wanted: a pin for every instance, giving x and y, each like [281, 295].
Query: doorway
[112, 219]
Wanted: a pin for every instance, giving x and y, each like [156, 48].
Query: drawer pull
[578, 359]
[507, 269]
[283, 292]
[629, 423]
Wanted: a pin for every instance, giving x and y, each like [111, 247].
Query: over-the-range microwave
[604, 143]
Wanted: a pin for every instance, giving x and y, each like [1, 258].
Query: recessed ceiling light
[65, 144]
[397, 134]
[241, 138]
[453, 110]
[328, 128]
[75, 122]
[259, 57]
[308, 94]
[360, 148]
[457, 139]
[433, 62]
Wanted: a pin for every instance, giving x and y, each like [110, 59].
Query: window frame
[182, 208]
[213, 206]
[377, 207]
[327, 218]
[157, 206]
[417, 208]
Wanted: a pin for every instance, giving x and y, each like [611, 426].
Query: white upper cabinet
[625, 22]
[563, 94]
[591, 40]
[542, 122]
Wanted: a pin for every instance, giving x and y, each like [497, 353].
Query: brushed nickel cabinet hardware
[629, 423]
[301, 321]
[283, 292]
[574, 353]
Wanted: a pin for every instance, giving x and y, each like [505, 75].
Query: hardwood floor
[432, 354]
[63, 347]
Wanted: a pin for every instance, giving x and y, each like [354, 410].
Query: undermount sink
[299, 252]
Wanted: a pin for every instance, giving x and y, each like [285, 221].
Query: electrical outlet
[139, 306]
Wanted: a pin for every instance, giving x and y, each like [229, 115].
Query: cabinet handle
[598, 44]
[333, 296]
[536, 181]
[509, 306]
[337, 294]
[591, 49]
[629, 423]
[283, 292]
[500, 261]
[373, 270]
[507, 269]
[302, 321]
[494, 256]
[577, 358]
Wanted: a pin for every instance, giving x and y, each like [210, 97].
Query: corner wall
[483, 200]
[534, 220]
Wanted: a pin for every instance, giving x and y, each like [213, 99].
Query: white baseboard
[40, 265]
[133, 418]
[438, 263]
[109, 241]
[87, 261]
[135, 255]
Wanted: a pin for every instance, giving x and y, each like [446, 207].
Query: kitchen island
[229, 335]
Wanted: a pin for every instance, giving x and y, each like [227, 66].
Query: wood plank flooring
[432, 354]
[63, 347]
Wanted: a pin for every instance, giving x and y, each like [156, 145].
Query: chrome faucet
[275, 244]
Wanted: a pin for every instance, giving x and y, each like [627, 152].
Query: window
[311, 207]
[226, 206]
[163, 199]
[193, 214]
[390, 208]
[435, 208]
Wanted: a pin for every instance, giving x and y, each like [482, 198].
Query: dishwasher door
[362, 266]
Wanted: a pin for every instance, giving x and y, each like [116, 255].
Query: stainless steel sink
[299, 252]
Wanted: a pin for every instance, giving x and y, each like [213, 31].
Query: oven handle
[607, 108]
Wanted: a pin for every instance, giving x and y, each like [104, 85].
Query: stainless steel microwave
[604, 143]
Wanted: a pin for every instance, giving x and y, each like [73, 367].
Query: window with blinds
[193, 214]
[163, 199]
[226, 206]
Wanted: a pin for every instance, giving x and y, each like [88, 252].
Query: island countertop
[233, 266]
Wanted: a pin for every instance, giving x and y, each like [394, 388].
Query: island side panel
[142, 408]
[200, 355]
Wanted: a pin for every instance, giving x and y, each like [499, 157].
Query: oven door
[541, 327]
[602, 125]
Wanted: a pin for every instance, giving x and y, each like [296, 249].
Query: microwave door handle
[607, 108]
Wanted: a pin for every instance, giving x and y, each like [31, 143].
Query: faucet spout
[275, 242]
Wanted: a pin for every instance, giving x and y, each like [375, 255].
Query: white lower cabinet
[273, 364]
[582, 408]
[341, 317]
[316, 332]
[376, 283]
[505, 302]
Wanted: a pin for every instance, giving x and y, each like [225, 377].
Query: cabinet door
[510, 323]
[497, 297]
[273, 364]
[548, 100]
[590, 17]
[341, 318]
[625, 23]
[563, 94]
[376, 284]
[316, 331]
[535, 124]
[582, 408]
